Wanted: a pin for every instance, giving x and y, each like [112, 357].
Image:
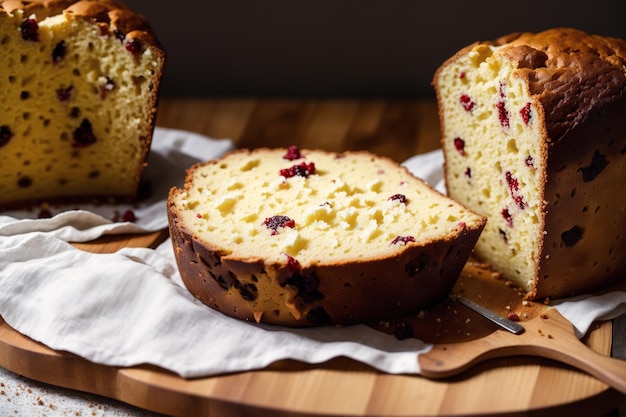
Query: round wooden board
[342, 387]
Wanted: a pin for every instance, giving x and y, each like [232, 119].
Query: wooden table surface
[395, 128]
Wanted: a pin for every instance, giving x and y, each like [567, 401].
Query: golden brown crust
[571, 72]
[577, 84]
[323, 292]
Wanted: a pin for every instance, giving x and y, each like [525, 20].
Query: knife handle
[548, 336]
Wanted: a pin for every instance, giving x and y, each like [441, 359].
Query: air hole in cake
[5, 135]
[597, 165]
[24, 182]
[24, 95]
[83, 135]
[23, 58]
[248, 292]
[572, 236]
[511, 146]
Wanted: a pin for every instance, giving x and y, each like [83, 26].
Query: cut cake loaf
[79, 82]
[308, 237]
[534, 138]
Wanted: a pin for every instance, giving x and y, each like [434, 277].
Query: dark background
[342, 48]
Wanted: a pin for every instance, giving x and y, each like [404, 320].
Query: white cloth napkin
[172, 152]
[131, 308]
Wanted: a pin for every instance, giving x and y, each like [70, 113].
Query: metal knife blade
[505, 323]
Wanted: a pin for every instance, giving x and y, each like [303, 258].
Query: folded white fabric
[131, 308]
[172, 152]
[127, 309]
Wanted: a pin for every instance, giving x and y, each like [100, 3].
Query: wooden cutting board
[342, 387]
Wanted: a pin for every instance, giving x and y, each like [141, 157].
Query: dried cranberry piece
[59, 51]
[513, 184]
[468, 172]
[513, 316]
[30, 30]
[403, 239]
[503, 114]
[64, 94]
[302, 170]
[507, 216]
[133, 46]
[459, 144]
[293, 266]
[307, 286]
[525, 112]
[44, 214]
[530, 162]
[293, 153]
[467, 102]
[398, 197]
[274, 222]
[129, 216]
[83, 135]
[462, 75]
[5, 135]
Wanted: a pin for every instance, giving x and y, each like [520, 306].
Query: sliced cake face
[319, 208]
[303, 237]
[534, 136]
[78, 101]
[494, 143]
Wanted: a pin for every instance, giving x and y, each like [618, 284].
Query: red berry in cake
[459, 145]
[129, 216]
[133, 46]
[302, 170]
[462, 75]
[293, 266]
[83, 135]
[507, 216]
[530, 162]
[467, 102]
[513, 184]
[30, 30]
[5, 135]
[525, 113]
[503, 235]
[398, 197]
[64, 94]
[503, 114]
[468, 172]
[403, 240]
[293, 153]
[274, 222]
[513, 316]
[59, 51]
[44, 214]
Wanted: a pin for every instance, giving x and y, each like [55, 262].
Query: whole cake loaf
[534, 138]
[308, 237]
[79, 84]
